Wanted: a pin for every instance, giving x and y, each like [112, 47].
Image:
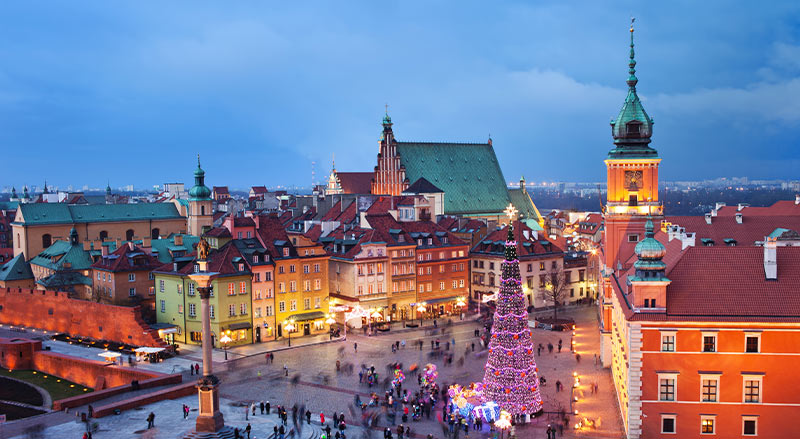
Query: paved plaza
[313, 382]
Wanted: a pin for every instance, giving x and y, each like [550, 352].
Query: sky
[130, 92]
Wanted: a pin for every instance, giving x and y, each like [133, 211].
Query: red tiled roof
[127, 259]
[534, 249]
[243, 221]
[314, 232]
[355, 182]
[753, 228]
[271, 229]
[591, 224]
[259, 190]
[730, 281]
[432, 228]
[218, 232]
[221, 190]
[460, 224]
[344, 216]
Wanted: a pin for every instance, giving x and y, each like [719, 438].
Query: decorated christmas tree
[511, 378]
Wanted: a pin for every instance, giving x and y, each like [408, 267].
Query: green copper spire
[199, 191]
[632, 128]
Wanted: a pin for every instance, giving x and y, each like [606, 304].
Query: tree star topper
[510, 211]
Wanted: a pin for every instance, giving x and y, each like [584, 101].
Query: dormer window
[196, 268]
[241, 267]
[634, 128]
[255, 259]
[444, 240]
[430, 241]
[286, 252]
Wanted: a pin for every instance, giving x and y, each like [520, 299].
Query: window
[441, 268]
[751, 342]
[238, 235]
[242, 287]
[317, 284]
[257, 312]
[306, 268]
[710, 386]
[191, 289]
[180, 309]
[281, 306]
[430, 287]
[421, 288]
[161, 285]
[709, 342]
[231, 310]
[293, 305]
[360, 290]
[163, 306]
[281, 269]
[98, 275]
[281, 287]
[707, 424]
[666, 387]
[317, 302]
[461, 283]
[131, 277]
[151, 276]
[243, 309]
[291, 268]
[192, 310]
[749, 425]
[292, 286]
[633, 238]
[668, 423]
[306, 285]
[541, 266]
[268, 310]
[231, 288]
[441, 286]
[306, 304]
[454, 284]
[530, 268]
[211, 311]
[316, 268]
[286, 252]
[752, 389]
[131, 292]
[268, 276]
[258, 276]
[427, 270]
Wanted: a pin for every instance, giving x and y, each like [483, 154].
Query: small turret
[650, 253]
[199, 191]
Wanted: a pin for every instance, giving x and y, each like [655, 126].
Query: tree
[555, 288]
[511, 378]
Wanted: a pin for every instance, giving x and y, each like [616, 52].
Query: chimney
[104, 250]
[771, 259]
[797, 199]
[719, 205]
[741, 206]
[708, 218]
[130, 245]
[738, 217]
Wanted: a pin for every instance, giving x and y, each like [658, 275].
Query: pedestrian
[560, 429]
[272, 357]
[355, 347]
[549, 432]
[246, 412]
[197, 368]
[550, 347]
[578, 358]
[247, 430]
[267, 407]
[261, 406]
[266, 358]
[559, 345]
[253, 405]
[185, 411]
[236, 434]
[473, 346]
[151, 420]
[435, 325]
[285, 370]
[308, 417]
[90, 409]
[539, 350]
[322, 418]
[191, 369]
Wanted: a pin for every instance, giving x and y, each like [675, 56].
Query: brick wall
[98, 395]
[17, 353]
[96, 374]
[55, 311]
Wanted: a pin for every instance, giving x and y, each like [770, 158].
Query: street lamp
[289, 326]
[225, 339]
[421, 310]
[503, 422]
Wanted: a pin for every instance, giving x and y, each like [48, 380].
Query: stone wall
[55, 311]
[17, 353]
[90, 373]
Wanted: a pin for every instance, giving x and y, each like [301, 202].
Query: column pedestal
[210, 423]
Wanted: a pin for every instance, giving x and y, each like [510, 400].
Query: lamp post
[210, 422]
[289, 326]
[225, 339]
[421, 311]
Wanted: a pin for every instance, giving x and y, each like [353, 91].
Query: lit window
[293, 305]
[306, 304]
[707, 425]
[282, 306]
[242, 287]
[231, 288]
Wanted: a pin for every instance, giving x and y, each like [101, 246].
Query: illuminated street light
[289, 326]
[225, 339]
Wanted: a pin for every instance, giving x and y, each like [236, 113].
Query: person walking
[550, 347]
[559, 345]
[185, 409]
[322, 418]
[197, 368]
[151, 420]
[261, 406]
[246, 412]
[285, 370]
[355, 347]
[308, 417]
[247, 430]
[267, 407]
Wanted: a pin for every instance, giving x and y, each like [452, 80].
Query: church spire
[45, 188]
[632, 79]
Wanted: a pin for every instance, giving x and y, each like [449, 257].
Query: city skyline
[121, 88]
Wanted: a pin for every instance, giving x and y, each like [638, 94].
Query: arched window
[47, 240]
[129, 235]
[202, 210]
[155, 233]
[103, 235]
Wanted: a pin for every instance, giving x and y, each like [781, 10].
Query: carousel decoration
[429, 374]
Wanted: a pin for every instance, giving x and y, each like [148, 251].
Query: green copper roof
[16, 269]
[9, 205]
[164, 247]
[468, 173]
[199, 191]
[59, 213]
[522, 201]
[632, 127]
[62, 252]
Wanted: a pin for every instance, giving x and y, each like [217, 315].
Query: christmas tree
[511, 378]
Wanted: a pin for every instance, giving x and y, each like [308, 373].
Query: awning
[240, 325]
[441, 300]
[109, 354]
[147, 350]
[166, 328]
[308, 316]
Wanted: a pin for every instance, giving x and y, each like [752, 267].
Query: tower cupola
[649, 253]
[199, 191]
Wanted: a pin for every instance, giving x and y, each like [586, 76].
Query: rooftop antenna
[313, 174]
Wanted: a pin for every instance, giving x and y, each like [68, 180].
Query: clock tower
[632, 167]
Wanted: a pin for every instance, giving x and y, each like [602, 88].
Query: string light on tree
[511, 376]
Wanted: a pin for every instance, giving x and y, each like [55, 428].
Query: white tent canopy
[147, 350]
[109, 355]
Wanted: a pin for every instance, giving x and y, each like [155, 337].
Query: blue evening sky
[131, 91]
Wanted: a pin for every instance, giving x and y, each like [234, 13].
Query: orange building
[702, 335]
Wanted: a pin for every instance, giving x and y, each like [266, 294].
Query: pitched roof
[243, 221]
[61, 253]
[165, 248]
[355, 182]
[59, 213]
[218, 232]
[753, 227]
[16, 269]
[426, 229]
[527, 246]
[62, 279]
[344, 215]
[259, 190]
[422, 186]
[468, 173]
[730, 281]
[591, 224]
[461, 225]
[220, 190]
[126, 258]
[522, 201]
[224, 261]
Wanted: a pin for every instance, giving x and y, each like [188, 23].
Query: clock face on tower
[633, 180]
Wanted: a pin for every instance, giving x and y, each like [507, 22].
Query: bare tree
[554, 289]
